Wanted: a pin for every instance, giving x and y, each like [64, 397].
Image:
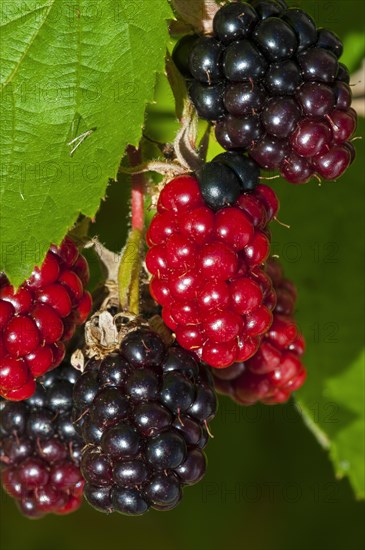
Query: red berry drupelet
[40, 451]
[274, 86]
[276, 370]
[206, 268]
[39, 317]
[143, 413]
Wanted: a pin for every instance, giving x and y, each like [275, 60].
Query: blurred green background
[269, 485]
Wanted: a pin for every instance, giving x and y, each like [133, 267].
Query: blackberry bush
[40, 451]
[273, 84]
[206, 268]
[38, 318]
[276, 370]
[143, 413]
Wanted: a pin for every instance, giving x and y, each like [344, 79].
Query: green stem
[128, 273]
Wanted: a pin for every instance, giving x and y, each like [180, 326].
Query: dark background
[269, 485]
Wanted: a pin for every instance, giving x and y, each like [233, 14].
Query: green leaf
[75, 80]
[178, 86]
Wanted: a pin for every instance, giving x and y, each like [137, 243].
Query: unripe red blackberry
[37, 319]
[40, 451]
[272, 83]
[276, 370]
[143, 412]
[206, 267]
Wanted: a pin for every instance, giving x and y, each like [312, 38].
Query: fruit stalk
[138, 189]
[128, 273]
[130, 264]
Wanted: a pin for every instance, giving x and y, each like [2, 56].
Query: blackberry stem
[138, 189]
[129, 273]
[130, 263]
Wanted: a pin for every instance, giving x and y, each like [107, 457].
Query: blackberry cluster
[276, 370]
[207, 273]
[143, 414]
[39, 317]
[274, 86]
[40, 451]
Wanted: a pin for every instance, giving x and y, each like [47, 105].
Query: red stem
[138, 189]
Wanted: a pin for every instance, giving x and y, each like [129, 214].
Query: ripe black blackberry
[272, 83]
[229, 174]
[143, 413]
[40, 451]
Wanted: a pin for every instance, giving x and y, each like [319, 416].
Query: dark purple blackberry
[222, 180]
[276, 39]
[318, 65]
[243, 62]
[234, 21]
[267, 8]
[99, 497]
[90, 432]
[208, 100]
[143, 414]
[280, 116]
[151, 418]
[303, 25]
[143, 348]
[205, 60]
[343, 96]
[343, 74]
[193, 468]
[296, 169]
[247, 171]
[218, 184]
[266, 70]
[177, 393]
[316, 99]
[242, 98]
[269, 152]
[40, 451]
[282, 3]
[181, 53]
[351, 149]
[283, 78]
[242, 132]
[328, 40]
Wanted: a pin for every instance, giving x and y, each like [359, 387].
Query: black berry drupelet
[222, 180]
[143, 413]
[205, 60]
[234, 22]
[40, 451]
[272, 83]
